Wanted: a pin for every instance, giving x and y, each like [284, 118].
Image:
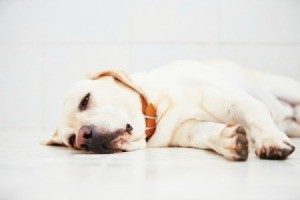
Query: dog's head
[102, 114]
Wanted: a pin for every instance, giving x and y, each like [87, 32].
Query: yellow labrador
[214, 105]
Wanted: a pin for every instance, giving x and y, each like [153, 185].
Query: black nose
[97, 141]
[129, 127]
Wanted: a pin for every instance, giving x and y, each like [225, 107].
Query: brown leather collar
[149, 112]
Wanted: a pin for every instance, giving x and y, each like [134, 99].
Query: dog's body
[209, 105]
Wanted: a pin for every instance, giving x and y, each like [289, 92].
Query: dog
[216, 105]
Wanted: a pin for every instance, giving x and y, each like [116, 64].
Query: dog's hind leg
[282, 87]
[287, 91]
[229, 141]
[291, 123]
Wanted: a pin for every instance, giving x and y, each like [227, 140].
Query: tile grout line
[43, 126]
[131, 42]
[130, 67]
[219, 29]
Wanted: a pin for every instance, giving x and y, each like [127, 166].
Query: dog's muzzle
[90, 140]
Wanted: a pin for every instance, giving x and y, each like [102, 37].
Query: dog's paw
[274, 148]
[234, 143]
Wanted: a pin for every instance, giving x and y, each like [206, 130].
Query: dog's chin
[109, 147]
[104, 150]
[112, 147]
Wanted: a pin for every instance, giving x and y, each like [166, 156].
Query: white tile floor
[31, 171]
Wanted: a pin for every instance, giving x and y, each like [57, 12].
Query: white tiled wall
[46, 45]
[260, 21]
[175, 21]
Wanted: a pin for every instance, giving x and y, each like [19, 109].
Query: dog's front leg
[240, 108]
[229, 141]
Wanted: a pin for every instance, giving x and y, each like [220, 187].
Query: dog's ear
[121, 76]
[118, 74]
[55, 140]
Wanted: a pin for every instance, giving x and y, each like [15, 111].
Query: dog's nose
[84, 136]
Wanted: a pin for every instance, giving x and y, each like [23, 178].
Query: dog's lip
[107, 145]
[108, 149]
[113, 145]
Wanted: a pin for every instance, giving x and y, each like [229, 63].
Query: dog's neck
[148, 109]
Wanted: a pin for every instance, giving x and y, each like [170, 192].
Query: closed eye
[84, 102]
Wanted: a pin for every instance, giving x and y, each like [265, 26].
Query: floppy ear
[117, 74]
[123, 77]
[54, 141]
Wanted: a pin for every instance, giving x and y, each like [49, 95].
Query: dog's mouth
[103, 143]
[111, 147]
[107, 146]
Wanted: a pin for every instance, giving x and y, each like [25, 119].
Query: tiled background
[47, 44]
